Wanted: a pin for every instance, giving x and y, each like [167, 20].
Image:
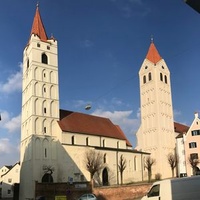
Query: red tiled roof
[123, 135]
[153, 54]
[38, 27]
[89, 124]
[180, 128]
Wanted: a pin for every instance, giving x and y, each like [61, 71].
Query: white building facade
[8, 180]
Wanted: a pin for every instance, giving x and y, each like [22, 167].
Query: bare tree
[149, 162]
[122, 166]
[93, 162]
[194, 161]
[173, 161]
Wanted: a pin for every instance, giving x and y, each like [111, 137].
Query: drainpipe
[117, 168]
[142, 166]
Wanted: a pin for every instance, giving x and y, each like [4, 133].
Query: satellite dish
[88, 107]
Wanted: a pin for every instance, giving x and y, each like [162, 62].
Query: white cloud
[122, 118]
[9, 152]
[176, 113]
[13, 83]
[13, 124]
[5, 146]
[131, 8]
[87, 43]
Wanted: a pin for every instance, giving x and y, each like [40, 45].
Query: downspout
[142, 166]
[117, 168]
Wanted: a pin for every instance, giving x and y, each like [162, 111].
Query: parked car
[88, 196]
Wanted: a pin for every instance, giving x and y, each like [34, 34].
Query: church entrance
[105, 177]
[47, 178]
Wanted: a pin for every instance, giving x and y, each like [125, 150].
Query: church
[58, 139]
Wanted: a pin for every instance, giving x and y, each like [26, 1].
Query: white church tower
[40, 107]
[156, 132]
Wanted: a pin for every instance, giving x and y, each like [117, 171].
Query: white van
[175, 189]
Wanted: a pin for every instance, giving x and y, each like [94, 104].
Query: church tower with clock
[156, 133]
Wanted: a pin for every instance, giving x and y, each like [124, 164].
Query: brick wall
[129, 192]
[72, 192]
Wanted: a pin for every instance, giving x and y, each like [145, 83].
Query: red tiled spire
[153, 54]
[38, 27]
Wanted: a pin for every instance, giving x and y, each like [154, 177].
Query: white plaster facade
[8, 179]
[156, 132]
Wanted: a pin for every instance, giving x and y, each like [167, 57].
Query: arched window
[165, 79]
[104, 158]
[44, 58]
[144, 79]
[135, 163]
[104, 143]
[161, 77]
[73, 140]
[27, 63]
[87, 141]
[150, 76]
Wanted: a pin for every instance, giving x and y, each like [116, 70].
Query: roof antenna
[37, 5]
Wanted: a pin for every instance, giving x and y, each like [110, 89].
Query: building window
[73, 140]
[38, 44]
[45, 129]
[45, 153]
[104, 158]
[195, 132]
[104, 143]
[27, 63]
[118, 144]
[44, 89]
[161, 77]
[146, 67]
[135, 163]
[165, 79]
[144, 79]
[10, 180]
[192, 145]
[9, 192]
[48, 47]
[87, 141]
[44, 58]
[150, 76]
[194, 156]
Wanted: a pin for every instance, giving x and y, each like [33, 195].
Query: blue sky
[102, 44]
